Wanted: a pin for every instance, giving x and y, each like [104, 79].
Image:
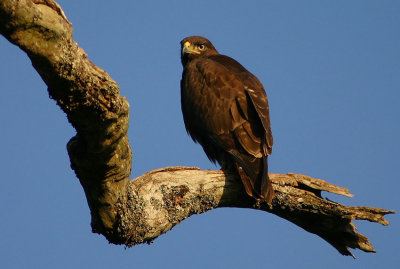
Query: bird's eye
[201, 47]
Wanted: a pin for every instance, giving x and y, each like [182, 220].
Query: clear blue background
[332, 74]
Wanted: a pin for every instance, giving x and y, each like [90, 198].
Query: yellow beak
[188, 48]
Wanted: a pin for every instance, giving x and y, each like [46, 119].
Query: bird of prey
[225, 109]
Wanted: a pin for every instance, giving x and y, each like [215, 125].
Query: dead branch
[168, 196]
[132, 212]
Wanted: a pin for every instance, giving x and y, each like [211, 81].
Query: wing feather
[224, 83]
[260, 102]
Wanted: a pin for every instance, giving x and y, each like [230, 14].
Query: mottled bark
[100, 153]
[132, 212]
[168, 196]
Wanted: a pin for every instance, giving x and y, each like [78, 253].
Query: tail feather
[247, 182]
[266, 190]
[254, 175]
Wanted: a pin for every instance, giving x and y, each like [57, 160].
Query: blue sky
[332, 74]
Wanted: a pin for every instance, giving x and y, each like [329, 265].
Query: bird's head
[196, 46]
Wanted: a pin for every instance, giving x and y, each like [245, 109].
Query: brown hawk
[225, 109]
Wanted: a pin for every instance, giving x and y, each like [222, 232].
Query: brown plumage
[225, 109]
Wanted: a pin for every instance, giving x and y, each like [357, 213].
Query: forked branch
[132, 212]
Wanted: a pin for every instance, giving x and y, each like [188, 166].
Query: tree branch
[132, 212]
[168, 196]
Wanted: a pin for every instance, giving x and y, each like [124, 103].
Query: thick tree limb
[170, 195]
[132, 212]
